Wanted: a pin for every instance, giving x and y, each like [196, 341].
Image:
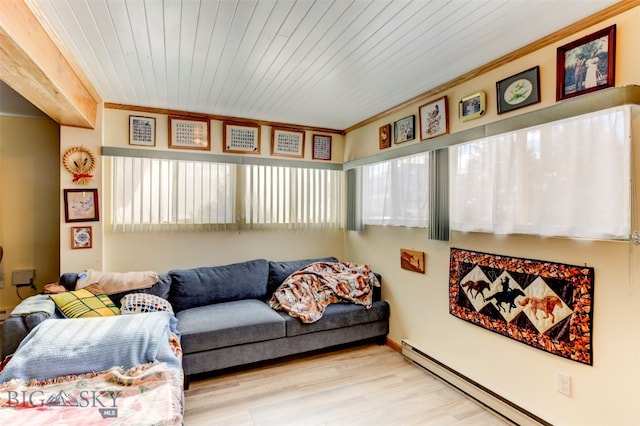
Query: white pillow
[140, 303]
[117, 282]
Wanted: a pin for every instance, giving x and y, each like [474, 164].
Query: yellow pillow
[83, 303]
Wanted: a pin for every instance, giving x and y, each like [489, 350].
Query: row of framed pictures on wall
[238, 138]
[582, 66]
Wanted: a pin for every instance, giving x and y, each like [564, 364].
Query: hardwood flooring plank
[361, 385]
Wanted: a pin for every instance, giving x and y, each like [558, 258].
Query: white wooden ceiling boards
[329, 64]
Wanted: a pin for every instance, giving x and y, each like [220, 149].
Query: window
[150, 194]
[292, 197]
[155, 194]
[395, 192]
[566, 178]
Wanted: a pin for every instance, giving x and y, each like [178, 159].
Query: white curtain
[396, 192]
[565, 178]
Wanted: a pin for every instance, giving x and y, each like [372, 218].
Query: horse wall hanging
[543, 304]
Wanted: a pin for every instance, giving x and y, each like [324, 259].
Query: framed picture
[384, 136]
[287, 142]
[587, 64]
[81, 205]
[81, 237]
[520, 90]
[412, 260]
[241, 138]
[434, 119]
[321, 147]
[404, 130]
[142, 131]
[472, 106]
[189, 133]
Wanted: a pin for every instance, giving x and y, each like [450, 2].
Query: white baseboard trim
[496, 403]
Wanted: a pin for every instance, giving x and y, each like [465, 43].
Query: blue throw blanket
[37, 303]
[59, 347]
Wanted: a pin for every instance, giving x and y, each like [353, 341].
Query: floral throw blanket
[306, 293]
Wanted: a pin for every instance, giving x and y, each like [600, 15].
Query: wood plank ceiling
[328, 64]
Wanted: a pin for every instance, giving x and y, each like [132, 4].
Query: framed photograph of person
[587, 64]
[519, 90]
[404, 130]
[434, 119]
[472, 106]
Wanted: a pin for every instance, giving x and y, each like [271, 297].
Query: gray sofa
[225, 320]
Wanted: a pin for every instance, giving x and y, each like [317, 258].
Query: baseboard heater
[472, 389]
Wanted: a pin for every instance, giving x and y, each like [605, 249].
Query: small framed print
[189, 133]
[434, 119]
[321, 147]
[241, 138]
[520, 90]
[404, 130]
[384, 136]
[412, 260]
[287, 142]
[81, 205]
[142, 131]
[81, 237]
[472, 106]
[587, 64]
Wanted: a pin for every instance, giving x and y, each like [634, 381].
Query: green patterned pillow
[83, 303]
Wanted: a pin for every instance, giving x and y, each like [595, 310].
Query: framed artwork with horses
[543, 304]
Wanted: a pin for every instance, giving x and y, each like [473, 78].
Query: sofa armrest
[16, 328]
[377, 291]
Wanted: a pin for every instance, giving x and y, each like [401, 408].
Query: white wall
[606, 393]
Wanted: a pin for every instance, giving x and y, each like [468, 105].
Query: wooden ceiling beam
[32, 65]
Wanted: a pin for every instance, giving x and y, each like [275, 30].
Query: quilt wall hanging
[543, 304]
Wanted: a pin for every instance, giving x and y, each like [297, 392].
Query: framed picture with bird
[434, 119]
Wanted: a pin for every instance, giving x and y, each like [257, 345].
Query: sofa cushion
[338, 315]
[160, 289]
[85, 303]
[191, 288]
[228, 324]
[280, 270]
[141, 303]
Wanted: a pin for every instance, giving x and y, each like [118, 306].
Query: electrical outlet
[563, 384]
[23, 277]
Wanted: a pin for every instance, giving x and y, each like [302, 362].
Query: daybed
[226, 314]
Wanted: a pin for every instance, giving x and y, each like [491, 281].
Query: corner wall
[605, 393]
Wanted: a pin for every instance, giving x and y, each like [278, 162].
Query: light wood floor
[362, 385]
